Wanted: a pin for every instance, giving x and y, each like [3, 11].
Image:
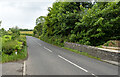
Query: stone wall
[105, 54]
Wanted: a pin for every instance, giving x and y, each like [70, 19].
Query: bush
[7, 38]
[9, 47]
[12, 43]
[14, 57]
[72, 37]
[22, 39]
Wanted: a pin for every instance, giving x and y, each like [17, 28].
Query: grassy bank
[59, 44]
[82, 53]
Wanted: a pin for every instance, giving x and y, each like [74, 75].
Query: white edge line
[48, 49]
[24, 69]
[73, 63]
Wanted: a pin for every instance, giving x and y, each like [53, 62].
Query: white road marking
[37, 42]
[93, 74]
[76, 65]
[73, 63]
[48, 49]
[24, 68]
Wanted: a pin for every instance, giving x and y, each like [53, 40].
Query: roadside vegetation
[79, 22]
[82, 53]
[112, 43]
[14, 46]
[95, 24]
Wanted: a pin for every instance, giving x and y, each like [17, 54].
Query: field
[23, 32]
[29, 33]
[26, 32]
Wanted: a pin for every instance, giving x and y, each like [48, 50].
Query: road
[47, 59]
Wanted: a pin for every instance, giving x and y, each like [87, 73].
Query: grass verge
[13, 57]
[82, 53]
[73, 50]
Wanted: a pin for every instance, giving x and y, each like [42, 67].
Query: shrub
[72, 37]
[22, 39]
[10, 46]
[7, 38]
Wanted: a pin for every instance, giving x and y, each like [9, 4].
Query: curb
[112, 62]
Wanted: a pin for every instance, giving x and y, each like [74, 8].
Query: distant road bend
[46, 59]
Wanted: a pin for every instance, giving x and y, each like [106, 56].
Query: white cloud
[28, 0]
[22, 13]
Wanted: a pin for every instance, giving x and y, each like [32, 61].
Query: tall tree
[39, 25]
[80, 22]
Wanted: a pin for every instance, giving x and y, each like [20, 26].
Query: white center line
[93, 74]
[37, 42]
[47, 49]
[24, 69]
[76, 65]
[73, 63]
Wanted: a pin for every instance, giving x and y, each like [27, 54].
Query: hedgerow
[80, 22]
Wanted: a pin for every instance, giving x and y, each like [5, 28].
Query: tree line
[80, 22]
[20, 29]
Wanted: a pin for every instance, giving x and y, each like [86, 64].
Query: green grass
[99, 46]
[13, 57]
[82, 53]
[73, 50]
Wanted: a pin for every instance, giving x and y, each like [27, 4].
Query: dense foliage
[39, 25]
[79, 22]
[10, 47]
[13, 45]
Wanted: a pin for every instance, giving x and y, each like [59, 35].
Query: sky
[22, 13]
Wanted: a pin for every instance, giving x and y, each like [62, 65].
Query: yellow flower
[89, 9]
[81, 6]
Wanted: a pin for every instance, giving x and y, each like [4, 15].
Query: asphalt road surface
[46, 59]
